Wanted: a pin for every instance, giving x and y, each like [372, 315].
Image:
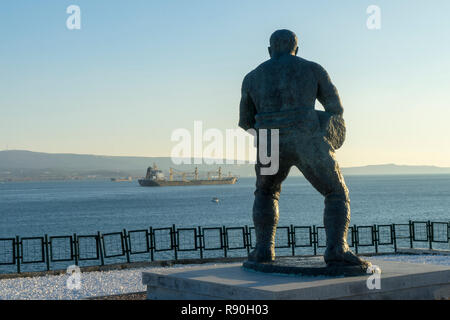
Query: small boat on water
[215, 199]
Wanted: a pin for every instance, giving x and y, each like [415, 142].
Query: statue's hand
[333, 128]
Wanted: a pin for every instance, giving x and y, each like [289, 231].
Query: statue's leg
[265, 213]
[319, 166]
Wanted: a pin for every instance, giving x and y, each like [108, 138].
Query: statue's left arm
[247, 109]
[327, 93]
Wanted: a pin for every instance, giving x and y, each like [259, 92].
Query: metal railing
[172, 243]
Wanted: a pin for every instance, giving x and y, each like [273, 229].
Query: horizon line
[224, 159]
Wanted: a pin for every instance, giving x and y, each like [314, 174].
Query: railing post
[314, 239]
[18, 253]
[430, 234]
[152, 246]
[394, 237]
[292, 239]
[174, 242]
[47, 256]
[248, 243]
[100, 247]
[225, 241]
[127, 250]
[200, 241]
[411, 234]
[376, 237]
[355, 229]
[75, 248]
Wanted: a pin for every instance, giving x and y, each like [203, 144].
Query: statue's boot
[336, 221]
[265, 219]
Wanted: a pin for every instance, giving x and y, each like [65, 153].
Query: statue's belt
[281, 119]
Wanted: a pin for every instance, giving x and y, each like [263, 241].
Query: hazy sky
[137, 70]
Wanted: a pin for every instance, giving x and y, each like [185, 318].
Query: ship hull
[164, 183]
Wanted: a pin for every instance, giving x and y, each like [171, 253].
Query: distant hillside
[27, 165]
[388, 169]
[18, 159]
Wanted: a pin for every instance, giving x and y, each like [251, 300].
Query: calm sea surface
[59, 208]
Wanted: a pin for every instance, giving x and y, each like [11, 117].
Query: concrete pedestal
[231, 281]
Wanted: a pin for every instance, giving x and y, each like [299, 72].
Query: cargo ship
[156, 178]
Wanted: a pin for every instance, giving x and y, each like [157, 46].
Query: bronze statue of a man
[280, 94]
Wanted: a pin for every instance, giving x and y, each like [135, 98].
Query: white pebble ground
[92, 284]
[105, 283]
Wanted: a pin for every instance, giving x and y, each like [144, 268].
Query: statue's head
[283, 42]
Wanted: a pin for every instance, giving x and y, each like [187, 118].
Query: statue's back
[283, 83]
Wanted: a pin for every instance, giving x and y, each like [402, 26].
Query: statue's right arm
[247, 109]
[327, 93]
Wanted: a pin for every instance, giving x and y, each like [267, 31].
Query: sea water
[85, 207]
